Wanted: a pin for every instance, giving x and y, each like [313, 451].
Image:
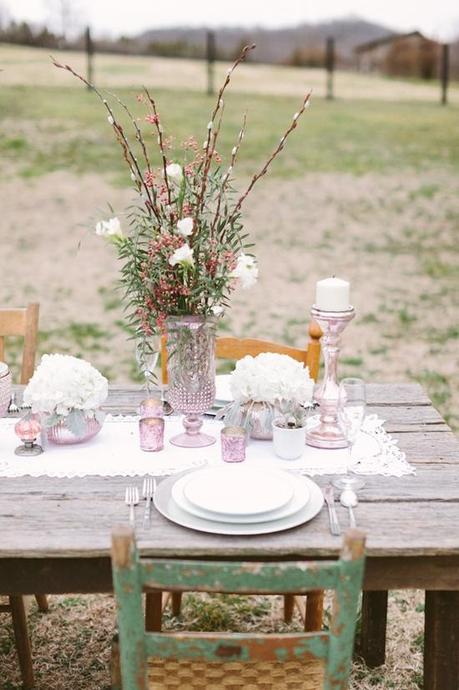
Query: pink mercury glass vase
[191, 373]
[61, 434]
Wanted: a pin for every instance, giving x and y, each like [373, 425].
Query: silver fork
[148, 491]
[329, 496]
[131, 498]
[12, 407]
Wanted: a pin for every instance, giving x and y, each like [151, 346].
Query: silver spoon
[348, 499]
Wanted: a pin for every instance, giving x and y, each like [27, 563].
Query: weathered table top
[62, 526]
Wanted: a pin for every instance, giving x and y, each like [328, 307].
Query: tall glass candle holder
[324, 431]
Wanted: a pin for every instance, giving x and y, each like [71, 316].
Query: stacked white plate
[238, 499]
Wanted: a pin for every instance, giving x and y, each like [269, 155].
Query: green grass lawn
[48, 128]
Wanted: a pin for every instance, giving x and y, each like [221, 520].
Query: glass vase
[191, 373]
[61, 434]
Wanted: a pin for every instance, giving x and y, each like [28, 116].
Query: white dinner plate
[300, 497]
[166, 506]
[234, 489]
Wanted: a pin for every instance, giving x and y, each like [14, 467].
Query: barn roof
[389, 38]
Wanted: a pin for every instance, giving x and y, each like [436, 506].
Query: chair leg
[372, 645]
[176, 603]
[289, 603]
[42, 603]
[21, 635]
[314, 611]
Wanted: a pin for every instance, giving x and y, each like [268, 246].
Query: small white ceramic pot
[289, 443]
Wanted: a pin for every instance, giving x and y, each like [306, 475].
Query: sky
[439, 20]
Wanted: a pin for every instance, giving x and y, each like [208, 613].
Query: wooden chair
[166, 661]
[22, 322]
[233, 349]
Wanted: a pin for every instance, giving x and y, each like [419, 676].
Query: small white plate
[300, 497]
[238, 490]
[167, 507]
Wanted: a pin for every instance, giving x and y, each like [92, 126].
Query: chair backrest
[22, 322]
[236, 348]
[332, 648]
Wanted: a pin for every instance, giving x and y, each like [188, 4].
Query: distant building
[403, 55]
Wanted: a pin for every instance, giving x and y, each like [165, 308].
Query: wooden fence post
[444, 73]
[210, 56]
[330, 65]
[89, 46]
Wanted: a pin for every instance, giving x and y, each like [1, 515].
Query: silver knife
[333, 517]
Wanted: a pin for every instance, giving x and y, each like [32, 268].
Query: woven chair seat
[199, 675]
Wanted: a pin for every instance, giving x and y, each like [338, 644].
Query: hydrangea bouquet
[68, 390]
[265, 387]
[185, 250]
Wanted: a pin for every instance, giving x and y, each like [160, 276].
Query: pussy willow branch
[219, 104]
[160, 142]
[234, 153]
[276, 151]
[128, 154]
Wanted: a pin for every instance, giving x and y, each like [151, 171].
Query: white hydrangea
[62, 383]
[271, 378]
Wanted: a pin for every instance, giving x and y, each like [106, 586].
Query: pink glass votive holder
[151, 407]
[234, 441]
[151, 433]
[28, 429]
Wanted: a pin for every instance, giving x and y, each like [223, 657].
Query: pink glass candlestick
[28, 430]
[233, 440]
[151, 433]
[151, 407]
[325, 432]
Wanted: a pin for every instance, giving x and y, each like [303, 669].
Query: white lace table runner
[115, 451]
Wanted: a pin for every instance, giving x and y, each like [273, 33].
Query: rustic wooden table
[55, 533]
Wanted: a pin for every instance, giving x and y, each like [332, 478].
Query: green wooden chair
[234, 661]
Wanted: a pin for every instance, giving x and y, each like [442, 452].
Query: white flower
[62, 383]
[271, 378]
[111, 121]
[109, 228]
[185, 227]
[174, 172]
[246, 270]
[183, 256]
[217, 310]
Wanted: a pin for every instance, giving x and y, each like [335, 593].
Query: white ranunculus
[217, 310]
[271, 378]
[109, 228]
[185, 227]
[183, 256]
[246, 271]
[174, 172]
[62, 383]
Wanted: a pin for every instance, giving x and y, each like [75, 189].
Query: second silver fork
[148, 491]
[131, 498]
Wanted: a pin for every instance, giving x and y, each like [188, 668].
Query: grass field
[367, 188]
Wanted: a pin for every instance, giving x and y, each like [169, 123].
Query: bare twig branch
[159, 129]
[128, 154]
[276, 151]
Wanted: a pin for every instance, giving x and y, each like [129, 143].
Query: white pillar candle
[332, 294]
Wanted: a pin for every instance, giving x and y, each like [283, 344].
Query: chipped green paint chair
[234, 661]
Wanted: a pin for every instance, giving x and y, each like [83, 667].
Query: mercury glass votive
[28, 429]
[151, 407]
[151, 433]
[234, 441]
